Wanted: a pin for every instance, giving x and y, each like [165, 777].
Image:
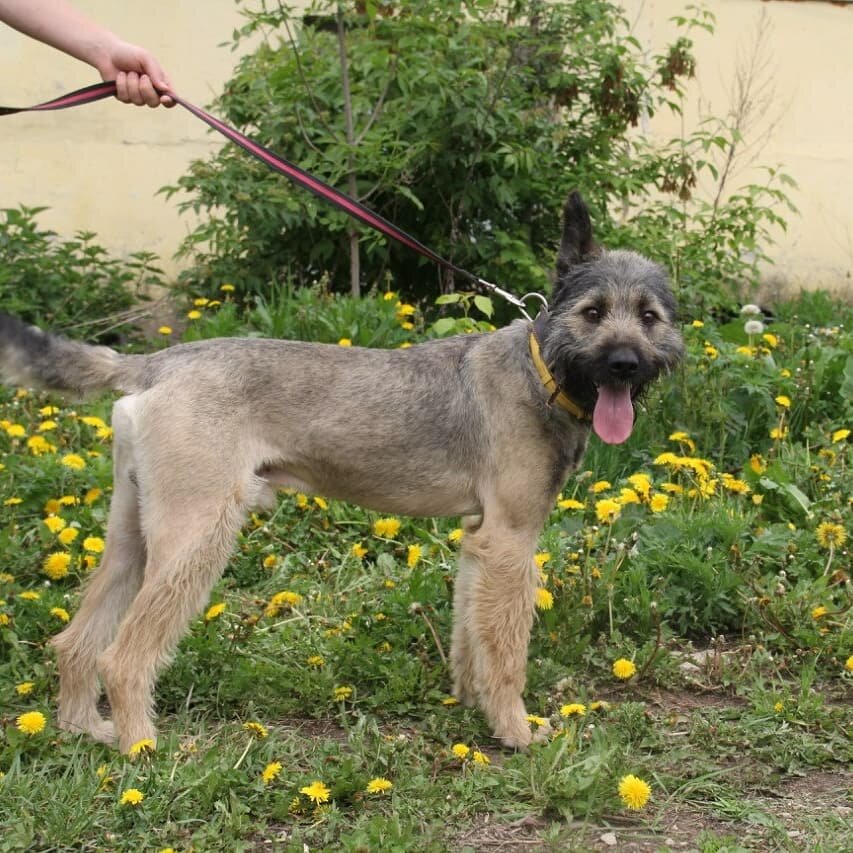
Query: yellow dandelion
[778, 707]
[16, 431]
[830, 535]
[848, 664]
[54, 523]
[29, 595]
[840, 435]
[607, 510]
[193, 315]
[658, 503]
[38, 445]
[389, 295]
[31, 723]
[92, 421]
[783, 401]
[387, 528]
[131, 797]
[91, 496]
[624, 669]
[542, 558]
[257, 730]
[12, 501]
[697, 324]
[570, 503]
[379, 785]
[141, 747]
[317, 792]
[342, 693]
[573, 709]
[73, 461]
[358, 550]
[316, 661]
[345, 342]
[819, 612]
[5, 621]
[544, 599]
[60, 613]
[24, 688]
[536, 721]
[628, 496]
[56, 565]
[480, 757]
[270, 772]
[165, 330]
[455, 535]
[460, 750]
[227, 288]
[600, 486]
[94, 544]
[770, 339]
[778, 433]
[450, 701]
[214, 611]
[634, 792]
[413, 555]
[67, 536]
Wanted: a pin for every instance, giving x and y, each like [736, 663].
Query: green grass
[735, 614]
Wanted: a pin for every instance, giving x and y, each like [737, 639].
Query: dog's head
[612, 327]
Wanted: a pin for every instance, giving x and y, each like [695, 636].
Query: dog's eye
[650, 317]
[592, 314]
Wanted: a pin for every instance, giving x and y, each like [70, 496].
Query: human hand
[137, 73]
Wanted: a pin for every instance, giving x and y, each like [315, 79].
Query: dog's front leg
[493, 616]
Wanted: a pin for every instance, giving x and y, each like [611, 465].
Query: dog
[483, 426]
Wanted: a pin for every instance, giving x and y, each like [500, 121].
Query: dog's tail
[36, 359]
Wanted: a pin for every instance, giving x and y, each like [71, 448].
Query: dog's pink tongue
[613, 416]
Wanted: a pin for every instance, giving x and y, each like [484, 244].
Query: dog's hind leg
[191, 524]
[461, 653]
[494, 616]
[108, 594]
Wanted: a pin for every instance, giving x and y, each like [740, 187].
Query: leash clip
[520, 303]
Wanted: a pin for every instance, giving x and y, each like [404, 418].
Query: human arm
[56, 23]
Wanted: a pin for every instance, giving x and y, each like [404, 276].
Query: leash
[321, 189]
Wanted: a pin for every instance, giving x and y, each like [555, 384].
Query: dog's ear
[577, 244]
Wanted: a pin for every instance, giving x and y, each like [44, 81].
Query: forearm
[60, 25]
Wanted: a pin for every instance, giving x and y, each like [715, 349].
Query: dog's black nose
[622, 363]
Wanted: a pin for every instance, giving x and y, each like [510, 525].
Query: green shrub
[67, 283]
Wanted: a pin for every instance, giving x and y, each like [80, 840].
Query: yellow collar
[558, 396]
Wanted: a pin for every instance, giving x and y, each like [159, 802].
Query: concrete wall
[807, 127]
[98, 167]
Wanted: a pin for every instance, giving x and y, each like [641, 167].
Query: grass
[731, 605]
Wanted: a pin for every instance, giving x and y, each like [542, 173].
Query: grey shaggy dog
[487, 427]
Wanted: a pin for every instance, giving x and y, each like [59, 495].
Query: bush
[61, 283]
[470, 123]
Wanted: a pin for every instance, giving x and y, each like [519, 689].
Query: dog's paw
[515, 736]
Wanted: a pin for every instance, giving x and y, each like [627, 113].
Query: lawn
[692, 650]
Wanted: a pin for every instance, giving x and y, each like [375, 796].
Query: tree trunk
[352, 188]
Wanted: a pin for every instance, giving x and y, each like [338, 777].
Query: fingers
[135, 88]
